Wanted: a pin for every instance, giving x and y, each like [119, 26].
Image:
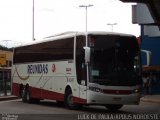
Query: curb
[150, 100]
[3, 98]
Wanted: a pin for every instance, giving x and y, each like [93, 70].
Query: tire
[27, 98]
[26, 95]
[113, 107]
[69, 101]
[24, 99]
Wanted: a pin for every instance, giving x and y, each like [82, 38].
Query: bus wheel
[113, 107]
[28, 98]
[69, 100]
[26, 95]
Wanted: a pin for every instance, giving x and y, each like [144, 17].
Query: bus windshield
[114, 60]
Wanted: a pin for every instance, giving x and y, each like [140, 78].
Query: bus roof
[72, 34]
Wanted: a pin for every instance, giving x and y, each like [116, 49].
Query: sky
[58, 16]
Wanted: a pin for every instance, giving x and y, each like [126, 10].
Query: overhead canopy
[153, 6]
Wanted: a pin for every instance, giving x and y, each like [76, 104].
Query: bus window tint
[114, 60]
[47, 51]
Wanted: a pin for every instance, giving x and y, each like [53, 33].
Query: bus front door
[83, 83]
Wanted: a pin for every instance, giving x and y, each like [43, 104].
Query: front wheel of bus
[69, 100]
[113, 107]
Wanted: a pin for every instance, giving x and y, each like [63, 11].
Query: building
[5, 69]
[150, 40]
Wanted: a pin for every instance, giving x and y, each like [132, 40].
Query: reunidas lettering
[38, 69]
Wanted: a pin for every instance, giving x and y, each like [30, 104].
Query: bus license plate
[116, 98]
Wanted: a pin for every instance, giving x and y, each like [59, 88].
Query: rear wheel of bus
[26, 97]
[113, 107]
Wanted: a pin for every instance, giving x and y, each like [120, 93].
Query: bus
[102, 68]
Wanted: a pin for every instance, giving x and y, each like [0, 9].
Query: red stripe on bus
[52, 95]
[45, 94]
[123, 92]
[15, 89]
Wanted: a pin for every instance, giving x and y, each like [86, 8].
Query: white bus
[104, 70]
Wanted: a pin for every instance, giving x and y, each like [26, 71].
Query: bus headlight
[137, 89]
[95, 89]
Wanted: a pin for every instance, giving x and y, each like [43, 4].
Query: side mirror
[148, 57]
[87, 54]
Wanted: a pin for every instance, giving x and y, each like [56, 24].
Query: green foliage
[5, 48]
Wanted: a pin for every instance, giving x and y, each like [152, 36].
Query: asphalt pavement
[151, 98]
[145, 98]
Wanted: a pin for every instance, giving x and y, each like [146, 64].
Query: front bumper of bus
[95, 97]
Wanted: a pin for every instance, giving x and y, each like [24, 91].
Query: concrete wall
[141, 15]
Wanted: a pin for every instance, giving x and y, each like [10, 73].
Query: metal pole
[112, 24]
[33, 21]
[86, 29]
[86, 19]
[87, 67]
[86, 7]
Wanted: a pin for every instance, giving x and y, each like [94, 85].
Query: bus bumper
[100, 98]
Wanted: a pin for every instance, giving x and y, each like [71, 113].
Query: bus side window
[80, 59]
